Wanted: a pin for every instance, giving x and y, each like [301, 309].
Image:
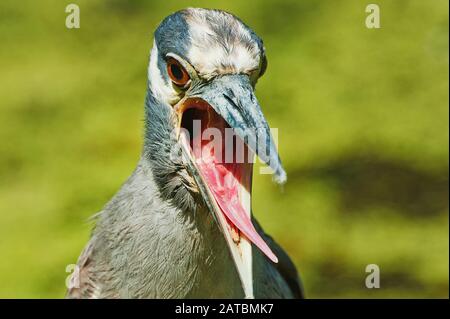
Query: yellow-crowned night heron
[181, 225]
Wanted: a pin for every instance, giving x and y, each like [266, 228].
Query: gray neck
[156, 236]
[167, 168]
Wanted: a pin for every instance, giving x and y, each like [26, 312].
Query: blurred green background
[363, 133]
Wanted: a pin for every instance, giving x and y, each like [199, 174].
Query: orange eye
[177, 73]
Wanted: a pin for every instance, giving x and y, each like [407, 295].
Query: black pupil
[176, 71]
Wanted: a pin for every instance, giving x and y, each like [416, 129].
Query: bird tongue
[227, 182]
[224, 181]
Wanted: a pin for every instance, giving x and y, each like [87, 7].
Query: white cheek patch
[160, 89]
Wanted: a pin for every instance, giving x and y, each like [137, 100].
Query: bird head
[204, 124]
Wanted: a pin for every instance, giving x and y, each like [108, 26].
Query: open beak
[221, 128]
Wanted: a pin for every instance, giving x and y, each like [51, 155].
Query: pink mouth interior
[224, 179]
